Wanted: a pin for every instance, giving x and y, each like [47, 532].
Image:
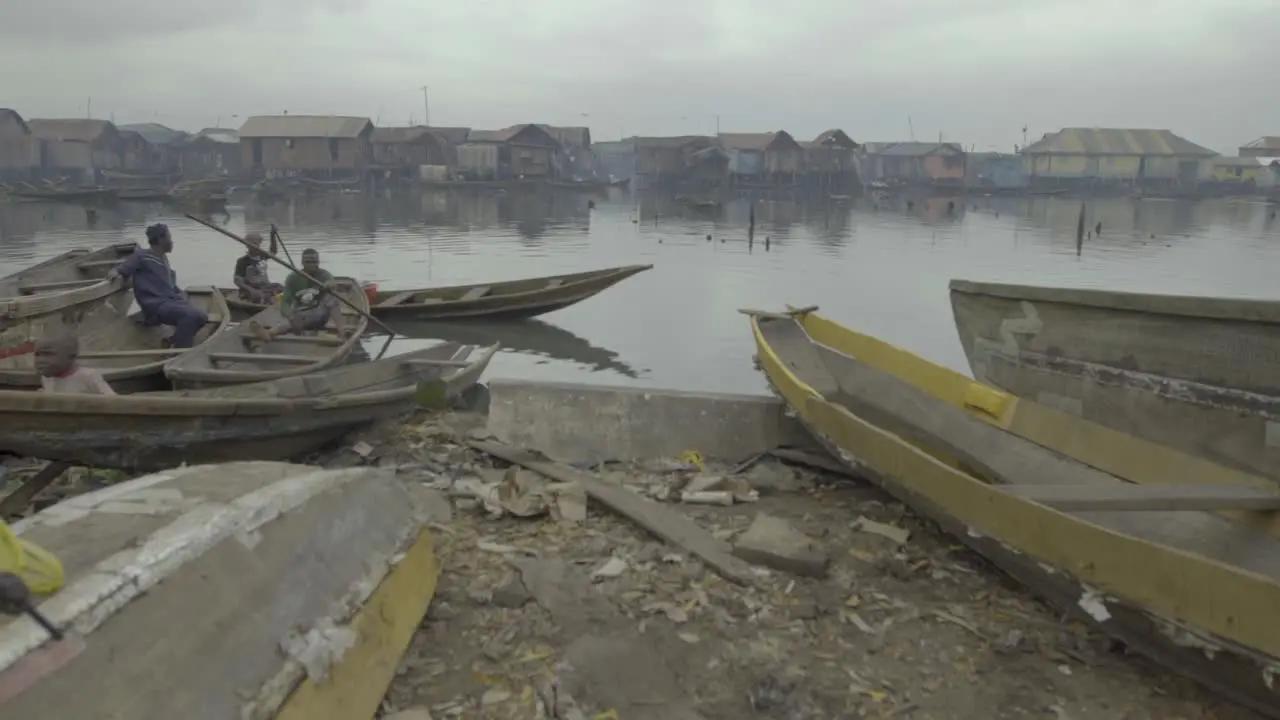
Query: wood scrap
[18, 500]
[658, 519]
[814, 460]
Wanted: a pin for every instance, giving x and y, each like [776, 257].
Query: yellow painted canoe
[1175, 556]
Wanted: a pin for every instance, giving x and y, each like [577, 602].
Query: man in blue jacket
[155, 287]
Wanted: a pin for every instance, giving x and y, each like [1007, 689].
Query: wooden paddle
[391, 334]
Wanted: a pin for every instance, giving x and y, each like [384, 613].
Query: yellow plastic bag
[38, 568]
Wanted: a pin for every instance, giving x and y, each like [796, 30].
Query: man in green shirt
[306, 306]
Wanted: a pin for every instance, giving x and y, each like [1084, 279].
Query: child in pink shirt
[55, 359]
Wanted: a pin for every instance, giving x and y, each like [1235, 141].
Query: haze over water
[882, 270]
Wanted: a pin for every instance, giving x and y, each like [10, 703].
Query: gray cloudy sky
[974, 70]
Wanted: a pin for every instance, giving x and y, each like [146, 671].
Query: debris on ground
[773, 542]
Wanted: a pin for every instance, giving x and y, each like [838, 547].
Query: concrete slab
[575, 423]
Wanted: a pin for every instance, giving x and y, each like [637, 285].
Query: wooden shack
[323, 146]
[409, 148]
[769, 158]
[19, 149]
[212, 152]
[78, 148]
[830, 161]
[514, 153]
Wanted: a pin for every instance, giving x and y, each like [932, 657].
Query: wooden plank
[384, 626]
[425, 362]
[95, 264]
[1126, 496]
[398, 298]
[476, 293]
[45, 287]
[18, 500]
[154, 352]
[311, 339]
[658, 519]
[257, 358]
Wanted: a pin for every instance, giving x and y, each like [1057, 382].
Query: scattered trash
[611, 569]
[898, 535]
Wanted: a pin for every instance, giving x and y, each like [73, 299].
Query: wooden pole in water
[1080, 229]
[751, 223]
[391, 334]
[275, 238]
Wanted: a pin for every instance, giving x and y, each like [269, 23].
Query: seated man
[155, 287]
[306, 306]
[55, 359]
[251, 274]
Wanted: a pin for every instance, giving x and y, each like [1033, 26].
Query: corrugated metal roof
[921, 149]
[13, 114]
[673, 142]
[455, 135]
[304, 126]
[746, 141]
[835, 136]
[1113, 141]
[155, 133]
[394, 135]
[1266, 142]
[75, 130]
[578, 137]
[486, 136]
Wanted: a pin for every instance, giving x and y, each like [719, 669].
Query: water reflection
[879, 263]
[529, 337]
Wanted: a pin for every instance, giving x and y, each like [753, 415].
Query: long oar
[391, 334]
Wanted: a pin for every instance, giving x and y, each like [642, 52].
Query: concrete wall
[575, 423]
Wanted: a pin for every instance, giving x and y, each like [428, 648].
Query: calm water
[883, 270]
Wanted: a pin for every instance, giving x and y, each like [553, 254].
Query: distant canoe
[66, 291]
[1197, 373]
[1175, 556]
[69, 194]
[144, 195]
[272, 420]
[227, 360]
[130, 354]
[508, 300]
[247, 590]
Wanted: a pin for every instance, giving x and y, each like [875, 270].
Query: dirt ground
[632, 628]
[540, 601]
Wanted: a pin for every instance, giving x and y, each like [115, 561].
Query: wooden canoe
[129, 353]
[273, 420]
[1197, 373]
[1176, 556]
[67, 194]
[227, 360]
[508, 300]
[64, 291]
[246, 590]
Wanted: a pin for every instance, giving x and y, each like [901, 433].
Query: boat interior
[1109, 479]
[73, 269]
[467, 293]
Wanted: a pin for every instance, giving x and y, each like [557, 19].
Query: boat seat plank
[1086, 498]
[399, 297]
[96, 264]
[311, 339]
[45, 287]
[476, 293]
[264, 358]
[155, 352]
[426, 362]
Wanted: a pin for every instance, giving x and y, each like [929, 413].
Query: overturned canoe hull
[1199, 374]
[508, 300]
[1159, 581]
[186, 596]
[273, 420]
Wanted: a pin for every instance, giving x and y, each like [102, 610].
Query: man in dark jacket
[155, 287]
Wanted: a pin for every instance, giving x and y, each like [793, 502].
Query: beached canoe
[67, 194]
[64, 291]
[246, 590]
[1177, 557]
[1200, 374]
[129, 353]
[273, 420]
[227, 359]
[509, 300]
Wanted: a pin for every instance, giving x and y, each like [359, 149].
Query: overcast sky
[974, 71]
